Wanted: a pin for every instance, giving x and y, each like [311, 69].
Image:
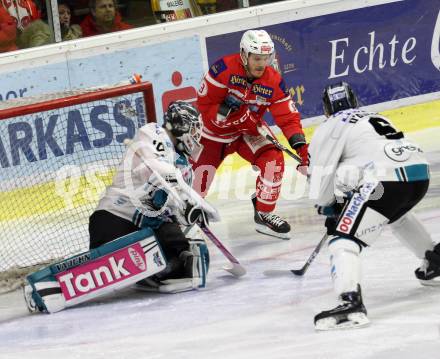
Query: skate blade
[354, 321]
[267, 231]
[430, 283]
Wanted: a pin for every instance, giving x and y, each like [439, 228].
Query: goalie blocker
[117, 264]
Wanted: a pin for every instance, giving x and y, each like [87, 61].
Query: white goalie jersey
[353, 144]
[148, 172]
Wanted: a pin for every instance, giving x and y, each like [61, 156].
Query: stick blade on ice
[235, 269]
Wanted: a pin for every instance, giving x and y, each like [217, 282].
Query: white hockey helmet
[256, 42]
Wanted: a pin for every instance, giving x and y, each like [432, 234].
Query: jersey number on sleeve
[384, 128]
[159, 146]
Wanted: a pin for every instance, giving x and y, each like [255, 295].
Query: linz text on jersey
[263, 91]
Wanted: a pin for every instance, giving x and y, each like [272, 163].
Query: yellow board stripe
[43, 198]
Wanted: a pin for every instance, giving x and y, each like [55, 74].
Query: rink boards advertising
[386, 52]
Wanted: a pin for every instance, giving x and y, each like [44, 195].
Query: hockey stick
[263, 132]
[300, 272]
[237, 269]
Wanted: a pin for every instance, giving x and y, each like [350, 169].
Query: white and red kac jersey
[227, 77]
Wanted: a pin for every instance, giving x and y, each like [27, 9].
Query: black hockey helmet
[185, 124]
[338, 97]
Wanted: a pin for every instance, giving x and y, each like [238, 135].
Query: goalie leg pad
[195, 264]
[112, 266]
[44, 297]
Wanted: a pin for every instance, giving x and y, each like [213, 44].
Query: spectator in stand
[8, 31]
[68, 31]
[208, 6]
[103, 19]
[31, 30]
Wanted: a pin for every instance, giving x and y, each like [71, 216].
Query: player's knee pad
[112, 266]
[413, 234]
[345, 264]
[196, 262]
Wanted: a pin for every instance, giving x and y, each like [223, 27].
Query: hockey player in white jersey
[365, 174]
[140, 193]
[135, 232]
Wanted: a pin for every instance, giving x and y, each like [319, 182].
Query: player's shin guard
[268, 186]
[112, 266]
[194, 265]
[345, 269]
[345, 264]
[413, 234]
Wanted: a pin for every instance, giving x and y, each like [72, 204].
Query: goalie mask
[256, 42]
[185, 124]
[338, 97]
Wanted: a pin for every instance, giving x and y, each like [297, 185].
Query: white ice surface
[257, 316]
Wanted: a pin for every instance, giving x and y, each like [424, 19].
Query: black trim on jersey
[403, 174]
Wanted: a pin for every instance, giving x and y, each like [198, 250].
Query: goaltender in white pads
[365, 174]
[135, 233]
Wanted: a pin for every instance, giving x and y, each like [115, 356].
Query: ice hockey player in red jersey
[234, 95]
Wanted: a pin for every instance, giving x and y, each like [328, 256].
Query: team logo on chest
[236, 80]
[262, 91]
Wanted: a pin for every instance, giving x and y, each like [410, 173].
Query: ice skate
[270, 224]
[350, 314]
[427, 275]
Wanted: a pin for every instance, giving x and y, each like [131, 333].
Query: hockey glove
[230, 105]
[332, 211]
[298, 143]
[330, 224]
[233, 102]
[246, 122]
[194, 214]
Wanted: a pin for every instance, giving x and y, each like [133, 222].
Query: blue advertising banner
[385, 52]
[77, 135]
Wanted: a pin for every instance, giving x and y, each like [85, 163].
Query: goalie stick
[237, 269]
[303, 269]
